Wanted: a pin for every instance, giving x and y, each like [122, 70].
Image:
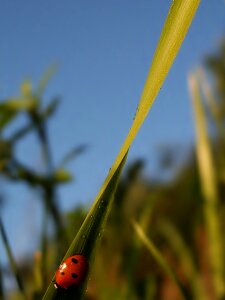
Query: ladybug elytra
[72, 272]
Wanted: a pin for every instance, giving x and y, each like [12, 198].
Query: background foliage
[171, 212]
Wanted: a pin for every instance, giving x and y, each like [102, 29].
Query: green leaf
[62, 175]
[26, 89]
[208, 179]
[175, 28]
[6, 115]
[10, 108]
[21, 104]
[88, 235]
[159, 258]
[45, 79]
[51, 108]
[185, 257]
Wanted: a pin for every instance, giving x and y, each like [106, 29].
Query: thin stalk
[184, 255]
[44, 250]
[49, 191]
[12, 260]
[145, 219]
[215, 110]
[210, 192]
[47, 112]
[21, 133]
[1, 284]
[160, 259]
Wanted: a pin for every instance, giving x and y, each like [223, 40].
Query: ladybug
[72, 272]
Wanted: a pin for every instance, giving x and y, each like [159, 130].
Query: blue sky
[103, 50]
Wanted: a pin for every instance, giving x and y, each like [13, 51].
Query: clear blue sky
[103, 49]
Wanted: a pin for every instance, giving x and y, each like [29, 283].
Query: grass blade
[12, 260]
[175, 28]
[210, 98]
[184, 255]
[159, 258]
[216, 111]
[45, 79]
[85, 241]
[209, 190]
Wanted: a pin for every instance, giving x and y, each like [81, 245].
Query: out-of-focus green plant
[209, 190]
[185, 257]
[46, 182]
[175, 28]
[12, 261]
[214, 94]
[159, 258]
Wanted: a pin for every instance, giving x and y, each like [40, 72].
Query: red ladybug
[72, 272]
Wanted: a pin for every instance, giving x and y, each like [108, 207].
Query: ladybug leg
[55, 285]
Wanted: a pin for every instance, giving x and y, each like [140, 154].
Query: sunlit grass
[159, 258]
[209, 190]
[175, 28]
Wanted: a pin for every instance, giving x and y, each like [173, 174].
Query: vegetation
[163, 239]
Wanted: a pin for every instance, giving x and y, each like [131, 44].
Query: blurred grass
[12, 261]
[173, 33]
[160, 259]
[175, 28]
[122, 268]
[209, 190]
[185, 258]
[87, 237]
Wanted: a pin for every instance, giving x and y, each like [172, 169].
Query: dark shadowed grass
[12, 261]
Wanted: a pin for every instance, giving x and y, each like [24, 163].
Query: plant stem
[12, 260]
[160, 259]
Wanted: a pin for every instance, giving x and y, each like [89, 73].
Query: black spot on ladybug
[62, 273]
[74, 260]
[74, 275]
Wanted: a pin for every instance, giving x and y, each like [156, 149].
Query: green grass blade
[159, 258]
[209, 190]
[12, 260]
[218, 117]
[210, 98]
[176, 26]
[45, 80]
[133, 258]
[89, 233]
[184, 255]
